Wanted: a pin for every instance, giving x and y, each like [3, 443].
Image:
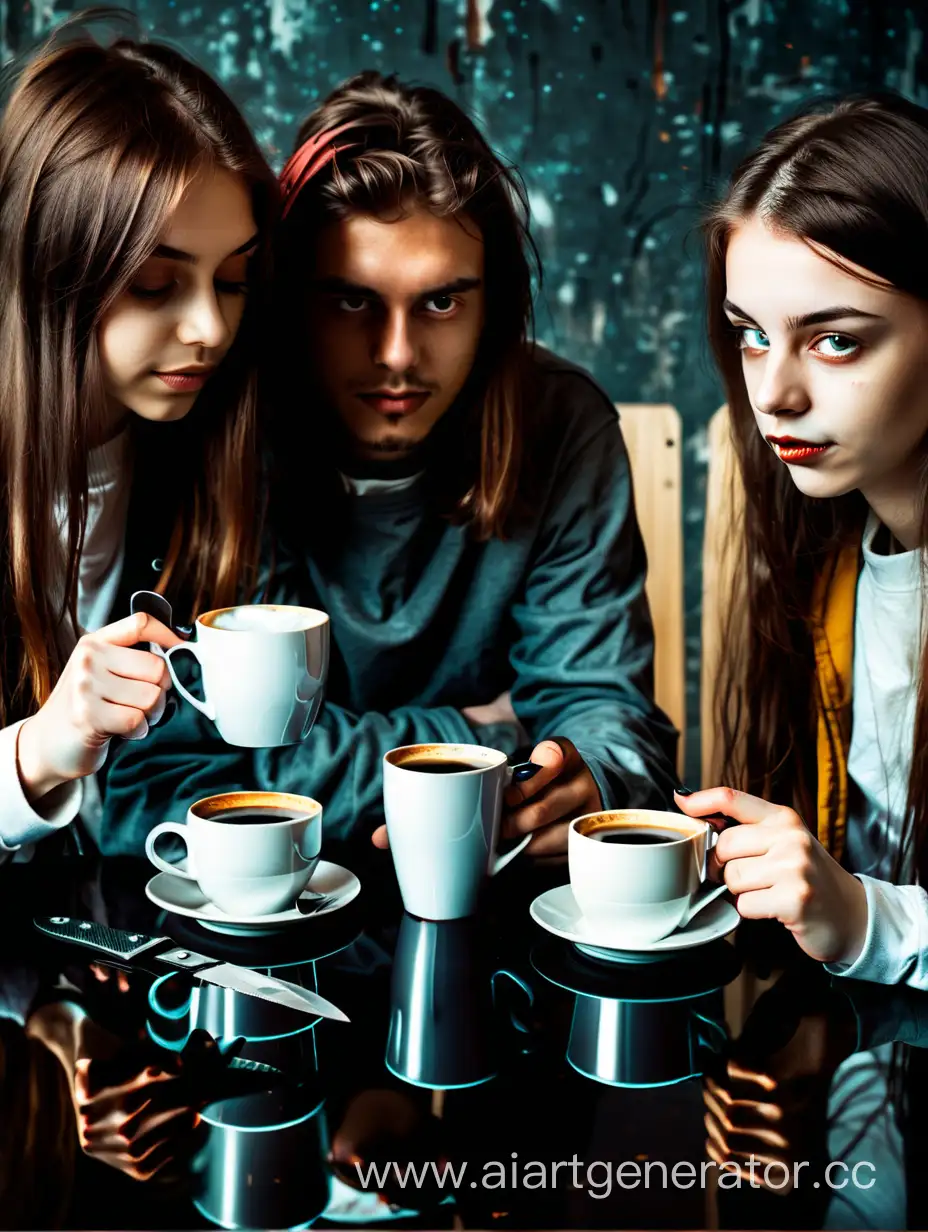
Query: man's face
[395, 318]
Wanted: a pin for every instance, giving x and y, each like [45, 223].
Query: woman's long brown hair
[414, 145]
[38, 1135]
[852, 178]
[97, 145]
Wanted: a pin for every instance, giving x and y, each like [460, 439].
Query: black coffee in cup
[439, 765]
[634, 838]
[255, 816]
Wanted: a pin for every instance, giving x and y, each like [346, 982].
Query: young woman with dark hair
[818, 312]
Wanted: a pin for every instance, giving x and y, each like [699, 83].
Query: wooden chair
[653, 437]
[724, 508]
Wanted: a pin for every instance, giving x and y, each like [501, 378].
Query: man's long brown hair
[97, 145]
[853, 178]
[415, 147]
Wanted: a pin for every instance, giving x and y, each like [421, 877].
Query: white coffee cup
[636, 892]
[443, 827]
[252, 852]
[263, 668]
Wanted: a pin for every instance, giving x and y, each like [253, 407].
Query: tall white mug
[263, 668]
[443, 804]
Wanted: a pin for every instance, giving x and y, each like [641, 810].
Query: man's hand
[563, 789]
[545, 805]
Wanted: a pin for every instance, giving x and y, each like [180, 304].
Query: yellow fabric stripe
[833, 633]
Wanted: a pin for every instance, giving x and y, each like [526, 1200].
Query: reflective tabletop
[492, 1074]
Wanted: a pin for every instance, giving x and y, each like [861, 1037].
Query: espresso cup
[626, 1043]
[263, 669]
[638, 874]
[443, 804]
[251, 852]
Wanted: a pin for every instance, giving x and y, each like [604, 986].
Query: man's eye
[441, 305]
[352, 303]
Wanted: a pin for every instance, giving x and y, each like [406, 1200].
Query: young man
[458, 501]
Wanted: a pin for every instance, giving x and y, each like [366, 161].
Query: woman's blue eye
[839, 346]
[753, 339]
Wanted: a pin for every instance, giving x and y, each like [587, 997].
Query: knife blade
[281, 992]
[154, 954]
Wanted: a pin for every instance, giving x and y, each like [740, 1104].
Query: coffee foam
[263, 618]
[638, 819]
[213, 808]
[414, 754]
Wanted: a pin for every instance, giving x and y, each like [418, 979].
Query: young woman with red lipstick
[133, 206]
[818, 307]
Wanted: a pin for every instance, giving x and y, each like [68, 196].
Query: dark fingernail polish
[528, 770]
[682, 791]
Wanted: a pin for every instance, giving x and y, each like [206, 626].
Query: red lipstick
[789, 449]
[185, 380]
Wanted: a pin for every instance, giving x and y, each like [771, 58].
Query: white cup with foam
[263, 670]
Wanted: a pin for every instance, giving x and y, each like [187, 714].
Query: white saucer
[184, 897]
[557, 912]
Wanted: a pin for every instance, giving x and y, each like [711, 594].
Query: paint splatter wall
[623, 116]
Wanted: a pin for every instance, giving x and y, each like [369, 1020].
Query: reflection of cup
[252, 852]
[443, 1032]
[443, 804]
[274, 1034]
[637, 874]
[263, 1164]
[644, 1043]
[263, 670]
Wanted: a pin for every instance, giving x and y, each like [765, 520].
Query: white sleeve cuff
[894, 950]
[23, 822]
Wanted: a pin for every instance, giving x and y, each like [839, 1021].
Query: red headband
[309, 159]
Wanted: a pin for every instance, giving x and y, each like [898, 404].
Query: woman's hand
[106, 689]
[778, 870]
[140, 1126]
[139, 1122]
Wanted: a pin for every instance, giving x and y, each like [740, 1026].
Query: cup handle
[520, 983]
[168, 827]
[709, 1033]
[206, 706]
[164, 1011]
[521, 773]
[707, 893]
[501, 861]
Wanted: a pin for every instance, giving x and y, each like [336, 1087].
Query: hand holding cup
[106, 689]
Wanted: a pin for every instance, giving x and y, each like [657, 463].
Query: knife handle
[113, 942]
